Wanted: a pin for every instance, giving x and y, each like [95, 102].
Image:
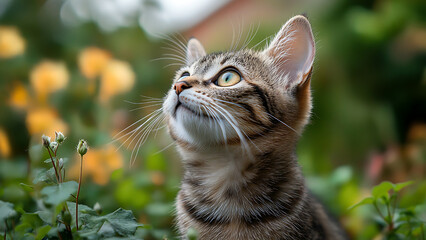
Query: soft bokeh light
[117, 77]
[92, 61]
[48, 77]
[19, 96]
[46, 121]
[5, 148]
[11, 42]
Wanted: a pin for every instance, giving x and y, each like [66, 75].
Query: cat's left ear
[194, 51]
[293, 52]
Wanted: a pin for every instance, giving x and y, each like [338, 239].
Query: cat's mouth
[182, 107]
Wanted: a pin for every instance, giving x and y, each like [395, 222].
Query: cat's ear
[293, 51]
[194, 51]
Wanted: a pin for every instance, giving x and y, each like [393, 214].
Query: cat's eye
[184, 75]
[228, 78]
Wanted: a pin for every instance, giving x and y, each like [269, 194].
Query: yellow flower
[92, 61]
[45, 121]
[98, 163]
[11, 42]
[5, 148]
[19, 97]
[117, 77]
[48, 77]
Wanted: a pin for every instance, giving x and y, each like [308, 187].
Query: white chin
[199, 130]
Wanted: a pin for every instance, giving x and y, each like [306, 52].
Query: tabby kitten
[236, 118]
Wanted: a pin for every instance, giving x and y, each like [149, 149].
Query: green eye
[228, 78]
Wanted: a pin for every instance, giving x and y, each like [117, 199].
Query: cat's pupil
[227, 77]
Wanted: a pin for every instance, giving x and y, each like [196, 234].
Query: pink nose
[180, 86]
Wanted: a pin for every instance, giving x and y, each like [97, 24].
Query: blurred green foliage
[368, 123]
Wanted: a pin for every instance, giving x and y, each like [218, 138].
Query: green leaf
[45, 215]
[42, 231]
[27, 187]
[6, 211]
[368, 200]
[59, 193]
[47, 176]
[83, 211]
[121, 222]
[29, 222]
[400, 186]
[49, 160]
[382, 190]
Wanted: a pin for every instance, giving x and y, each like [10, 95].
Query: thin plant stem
[5, 230]
[66, 208]
[57, 163]
[78, 191]
[53, 163]
[378, 210]
[394, 203]
[390, 216]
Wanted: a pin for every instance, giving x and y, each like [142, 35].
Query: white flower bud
[53, 146]
[59, 137]
[46, 141]
[61, 163]
[82, 147]
[97, 207]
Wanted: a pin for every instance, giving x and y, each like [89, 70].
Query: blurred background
[90, 68]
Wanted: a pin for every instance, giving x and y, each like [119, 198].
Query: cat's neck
[224, 169]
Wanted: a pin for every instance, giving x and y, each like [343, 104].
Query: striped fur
[241, 178]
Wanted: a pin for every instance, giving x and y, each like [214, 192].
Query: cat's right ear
[293, 52]
[194, 51]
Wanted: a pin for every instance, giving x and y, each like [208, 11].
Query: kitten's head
[232, 97]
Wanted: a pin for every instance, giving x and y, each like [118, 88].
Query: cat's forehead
[210, 64]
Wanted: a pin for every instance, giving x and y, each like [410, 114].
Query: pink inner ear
[293, 51]
[195, 51]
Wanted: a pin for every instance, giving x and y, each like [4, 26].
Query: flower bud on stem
[59, 137]
[81, 149]
[46, 143]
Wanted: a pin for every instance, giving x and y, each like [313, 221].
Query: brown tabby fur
[250, 187]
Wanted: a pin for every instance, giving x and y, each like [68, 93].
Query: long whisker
[169, 58]
[174, 64]
[148, 106]
[238, 105]
[217, 120]
[257, 44]
[148, 97]
[144, 125]
[284, 124]
[146, 102]
[116, 135]
[235, 121]
[143, 138]
[251, 35]
[176, 50]
[163, 149]
[234, 124]
[140, 129]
